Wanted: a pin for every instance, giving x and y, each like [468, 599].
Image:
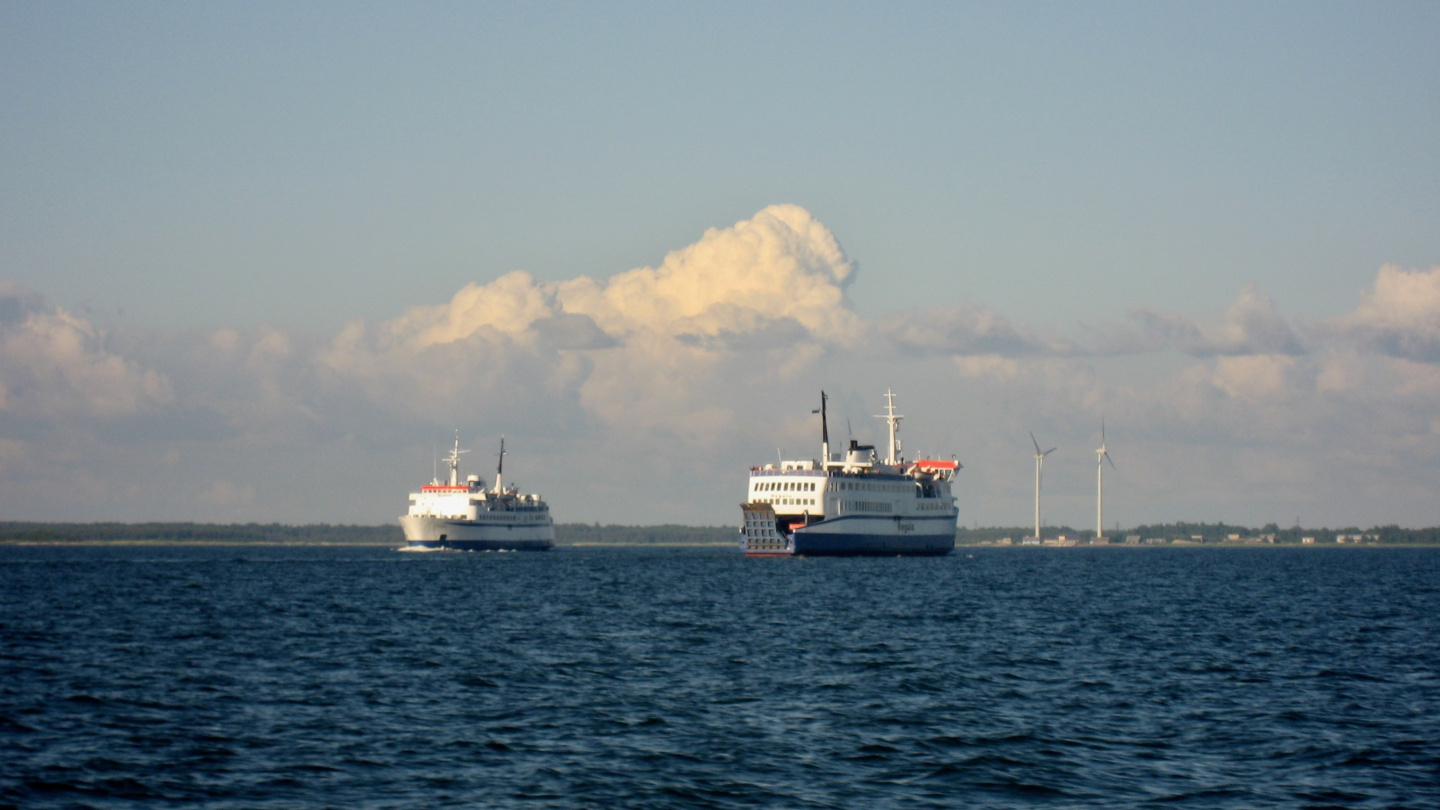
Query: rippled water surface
[359, 677]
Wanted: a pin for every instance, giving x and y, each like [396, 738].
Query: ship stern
[760, 533]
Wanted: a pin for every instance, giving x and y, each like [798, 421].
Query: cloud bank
[1252, 325]
[56, 366]
[642, 397]
[1399, 316]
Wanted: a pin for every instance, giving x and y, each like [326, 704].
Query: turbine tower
[1039, 465]
[1101, 456]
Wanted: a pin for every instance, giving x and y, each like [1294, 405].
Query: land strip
[597, 535]
[324, 534]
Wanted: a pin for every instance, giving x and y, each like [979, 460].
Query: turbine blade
[1037, 444]
[1048, 452]
[1112, 461]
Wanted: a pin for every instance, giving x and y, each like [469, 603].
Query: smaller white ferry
[465, 516]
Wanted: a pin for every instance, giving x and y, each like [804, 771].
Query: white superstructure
[467, 516]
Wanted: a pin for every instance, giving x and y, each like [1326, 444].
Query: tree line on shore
[668, 534]
[328, 534]
[315, 533]
[1212, 533]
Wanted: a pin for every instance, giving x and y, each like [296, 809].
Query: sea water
[263, 677]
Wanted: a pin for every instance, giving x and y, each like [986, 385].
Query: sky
[258, 260]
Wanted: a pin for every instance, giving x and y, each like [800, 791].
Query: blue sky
[361, 155]
[177, 171]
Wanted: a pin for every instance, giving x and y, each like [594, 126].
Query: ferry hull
[876, 537]
[855, 536]
[873, 545]
[424, 531]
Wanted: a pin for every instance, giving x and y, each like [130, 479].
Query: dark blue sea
[262, 677]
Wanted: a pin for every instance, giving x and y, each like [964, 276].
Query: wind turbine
[1101, 456]
[1039, 465]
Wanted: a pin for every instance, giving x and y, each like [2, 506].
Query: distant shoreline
[1084, 543]
[659, 544]
[276, 534]
[230, 543]
[298, 544]
[594, 535]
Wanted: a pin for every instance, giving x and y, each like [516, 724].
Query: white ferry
[853, 505]
[468, 517]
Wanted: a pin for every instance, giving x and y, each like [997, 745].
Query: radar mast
[892, 420]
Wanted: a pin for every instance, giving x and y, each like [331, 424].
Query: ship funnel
[859, 455]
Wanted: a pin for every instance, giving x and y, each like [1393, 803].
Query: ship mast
[892, 419]
[500, 470]
[454, 460]
[824, 434]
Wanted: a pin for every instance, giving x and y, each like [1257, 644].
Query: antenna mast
[892, 419]
[824, 433]
[454, 460]
[500, 469]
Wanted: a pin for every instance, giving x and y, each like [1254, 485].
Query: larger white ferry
[852, 505]
[468, 517]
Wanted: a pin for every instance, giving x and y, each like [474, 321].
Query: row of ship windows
[512, 518]
[845, 506]
[809, 486]
[857, 506]
[789, 501]
[458, 505]
[867, 486]
[785, 486]
[865, 506]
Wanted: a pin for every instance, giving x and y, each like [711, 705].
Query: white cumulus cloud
[964, 330]
[54, 365]
[640, 397]
[1251, 325]
[1398, 316]
[780, 272]
[645, 348]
